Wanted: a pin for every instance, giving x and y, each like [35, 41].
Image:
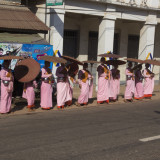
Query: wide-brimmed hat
[110, 55]
[134, 60]
[115, 62]
[10, 57]
[71, 59]
[91, 61]
[53, 59]
[26, 70]
[73, 68]
[153, 62]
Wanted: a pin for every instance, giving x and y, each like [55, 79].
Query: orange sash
[24, 89]
[72, 79]
[132, 76]
[106, 70]
[48, 71]
[9, 74]
[86, 77]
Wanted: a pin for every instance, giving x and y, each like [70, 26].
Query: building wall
[86, 16]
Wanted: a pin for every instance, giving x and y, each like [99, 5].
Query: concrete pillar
[147, 36]
[83, 42]
[147, 41]
[57, 29]
[106, 35]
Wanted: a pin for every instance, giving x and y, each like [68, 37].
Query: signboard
[26, 50]
[54, 2]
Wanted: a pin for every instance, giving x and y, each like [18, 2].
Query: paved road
[107, 132]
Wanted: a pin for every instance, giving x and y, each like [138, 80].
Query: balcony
[155, 4]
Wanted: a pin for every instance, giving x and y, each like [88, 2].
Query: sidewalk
[19, 105]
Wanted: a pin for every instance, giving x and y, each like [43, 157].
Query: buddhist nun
[149, 82]
[139, 90]
[6, 88]
[103, 82]
[46, 87]
[114, 83]
[64, 95]
[84, 76]
[130, 83]
[29, 93]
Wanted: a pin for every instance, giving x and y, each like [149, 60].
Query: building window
[116, 43]
[71, 43]
[133, 46]
[92, 45]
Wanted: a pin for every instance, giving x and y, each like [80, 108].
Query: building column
[147, 36]
[83, 42]
[57, 29]
[106, 35]
[105, 38]
[147, 41]
[146, 45]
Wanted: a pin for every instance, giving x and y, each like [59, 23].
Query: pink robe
[139, 90]
[64, 93]
[114, 86]
[85, 90]
[148, 84]
[103, 88]
[6, 97]
[46, 91]
[71, 85]
[29, 93]
[130, 86]
[91, 88]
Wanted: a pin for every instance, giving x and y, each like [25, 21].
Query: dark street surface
[106, 132]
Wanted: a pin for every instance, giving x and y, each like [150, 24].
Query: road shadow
[18, 106]
[91, 100]
[153, 94]
[21, 104]
[158, 112]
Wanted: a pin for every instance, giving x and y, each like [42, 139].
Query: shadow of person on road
[158, 112]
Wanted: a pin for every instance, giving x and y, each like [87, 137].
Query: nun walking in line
[139, 90]
[114, 83]
[0, 85]
[46, 87]
[103, 82]
[130, 83]
[63, 88]
[6, 88]
[29, 93]
[72, 72]
[148, 82]
[84, 76]
[25, 72]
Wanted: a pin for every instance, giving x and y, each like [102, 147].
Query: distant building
[19, 25]
[86, 28]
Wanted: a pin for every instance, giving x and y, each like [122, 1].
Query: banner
[54, 2]
[26, 50]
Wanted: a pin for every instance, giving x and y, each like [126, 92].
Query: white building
[85, 28]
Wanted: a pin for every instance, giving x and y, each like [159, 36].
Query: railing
[140, 3]
[143, 3]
